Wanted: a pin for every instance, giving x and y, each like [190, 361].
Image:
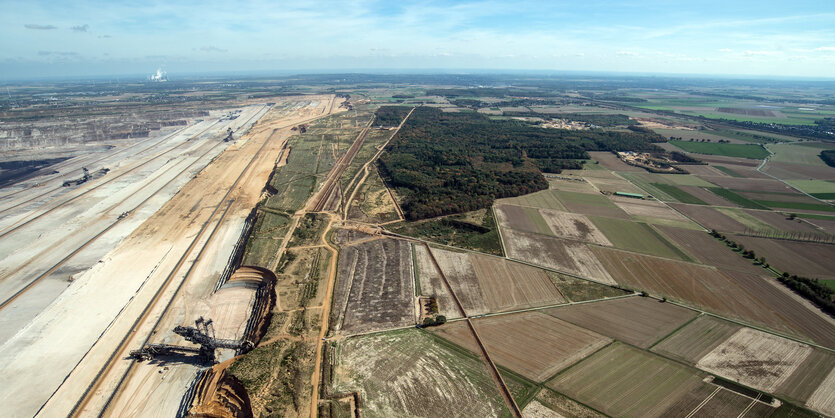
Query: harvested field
[410, 373]
[823, 399]
[431, 283]
[750, 221]
[573, 226]
[707, 196]
[546, 199]
[709, 217]
[579, 184]
[752, 184]
[508, 285]
[806, 259]
[612, 162]
[756, 359]
[647, 208]
[578, 290]
[708, 250]
[591, 204]
[534, 409]
[712, 401]
[623, 381]
[375, 287]
[808, 377]
[696, 339]
[697, 285]
[724, 160]
[635, 320]
[565, 407]
[612, 185]
[783, 196]
[496, 284]
[567, 256]
[522, 218]
[532, 344]
[638, 237]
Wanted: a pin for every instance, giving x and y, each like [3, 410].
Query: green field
[728, 150]
[821, 189]
[638, 237]
[265, 240]
[748, 220]
[594, 199]
[677, 194]
[624, 381]
[728, 171]
[545, 199]
[735, 198]
[798, 205]
[805, 154]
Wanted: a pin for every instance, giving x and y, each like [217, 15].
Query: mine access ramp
[203, 333]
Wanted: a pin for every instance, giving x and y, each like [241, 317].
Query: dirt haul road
[76, 348]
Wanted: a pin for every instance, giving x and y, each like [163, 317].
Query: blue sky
[87, 38]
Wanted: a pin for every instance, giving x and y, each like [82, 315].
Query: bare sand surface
[67, 345]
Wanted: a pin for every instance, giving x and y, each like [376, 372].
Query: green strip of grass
[678, 194]
[797, 205]
[815, 216]
[728, 171]
[730, 150]
[825, 196]
[735, 198]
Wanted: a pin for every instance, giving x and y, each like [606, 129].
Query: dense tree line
[390, 115]
[445, 163]
[828, 156]
[811, 289]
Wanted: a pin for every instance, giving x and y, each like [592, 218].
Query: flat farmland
[709, 217]
[638, 237]
[578, 184]
[566, 256]
[431, 283]
[573, 226]
[410, 373]
[800, 153]
[578, 290]
[546, 199]
[750, 221]
[591, 204]
[824, 399]
[614, 184]
[635, 320]
[694, 284]
[522, 218]
[752, 184]
[708, 250]
[490, 284]
[375, 288]
[560, 405]
[612, 162]
[808, 377]
[706, 196]
[696, 339]
[713, 401]
[532, 344]
[647, 209]
[624, 381]
[756, 359]
[806, 259]
[730, 150]
[781, 222]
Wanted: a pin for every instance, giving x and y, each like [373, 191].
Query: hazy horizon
[708, 38]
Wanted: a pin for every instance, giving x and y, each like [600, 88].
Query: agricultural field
[806, 259]
[545, 199]
[579, 290]
[708, 250]
[821, 189]
[756, 359]
[488, 284]
[624, 381]
[710, 218]
[696, 339]
[532, 344]
[522, 218]
[802, 153]
[573, 226]
[812, 377]
[612, 162]
[550, 404]
[409, 373]
[565, 256]
[752, 151]
[375, 287]
[430, 283]
[638, 237]
[590, 204]
[636, 320]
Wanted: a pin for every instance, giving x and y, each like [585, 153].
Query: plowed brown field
[567, 256]
[532, 344]
[636, 320]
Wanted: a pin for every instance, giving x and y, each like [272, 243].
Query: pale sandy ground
[823, 399]
[538, 410]
[67, 344]
[756, 359]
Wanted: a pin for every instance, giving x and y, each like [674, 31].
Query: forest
[445, 163]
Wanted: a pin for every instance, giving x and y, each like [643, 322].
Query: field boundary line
[498, 229]
[572, 365]
[691, 320]
[558, 305]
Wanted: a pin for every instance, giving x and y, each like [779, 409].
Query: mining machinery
[202, 333]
